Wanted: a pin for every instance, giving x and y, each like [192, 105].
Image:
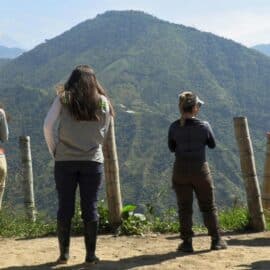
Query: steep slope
[144, 63]
[3, 61]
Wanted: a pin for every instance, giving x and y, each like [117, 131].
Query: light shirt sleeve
[3, 126]
[107, 116]
[51, 124]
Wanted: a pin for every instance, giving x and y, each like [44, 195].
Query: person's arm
[211, 142]
[105, 108]
[3, 126]
[50, 124]
[171, 141]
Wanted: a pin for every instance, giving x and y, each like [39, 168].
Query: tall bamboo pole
[266, 182]
[112, 177]
[248, 168]
[27, 173]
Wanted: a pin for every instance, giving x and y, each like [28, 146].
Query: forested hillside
[144, 63]
[3, 61]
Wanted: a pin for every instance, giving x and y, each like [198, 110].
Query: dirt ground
[246, 251]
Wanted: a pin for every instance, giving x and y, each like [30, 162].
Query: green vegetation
[14, 225]
[234, 219]
[144, 63]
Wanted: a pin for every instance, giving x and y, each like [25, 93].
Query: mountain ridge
[10, 53]
[144, 63]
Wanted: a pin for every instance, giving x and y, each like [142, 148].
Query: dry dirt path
[246, 251]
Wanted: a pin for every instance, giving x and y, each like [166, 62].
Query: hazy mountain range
[9, 53]
[144, 63]
[263, 48]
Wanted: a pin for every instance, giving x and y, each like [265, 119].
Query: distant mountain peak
[124, 13]
[263, 48]
[10, 53]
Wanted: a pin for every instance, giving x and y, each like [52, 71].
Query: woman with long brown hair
[188, 138]
[74, 129]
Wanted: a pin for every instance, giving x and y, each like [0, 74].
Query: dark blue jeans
[70, 174]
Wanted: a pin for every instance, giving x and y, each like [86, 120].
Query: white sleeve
[51, 123]
[3, 126]
[107, 116]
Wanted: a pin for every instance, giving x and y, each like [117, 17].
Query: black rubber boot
[63, 233]
[186, 246]
[90, 239]
[217, 243]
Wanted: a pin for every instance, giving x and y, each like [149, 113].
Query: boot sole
[219, 248]
[92, 262]
[60, 261]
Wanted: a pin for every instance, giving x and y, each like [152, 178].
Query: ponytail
[182, 121]
[186, 104]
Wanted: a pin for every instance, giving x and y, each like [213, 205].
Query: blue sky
[30, 22]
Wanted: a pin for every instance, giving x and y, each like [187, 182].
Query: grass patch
[234, 219]
[14, 225]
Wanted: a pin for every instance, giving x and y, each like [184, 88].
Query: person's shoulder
[199, 122]
[2, 113]
[175, 124]
[103, 98]
[104, 103]
[205, 124]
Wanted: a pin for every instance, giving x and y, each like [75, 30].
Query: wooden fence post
[112, 177]
[248, 168]
[266, 182]
[27, 177]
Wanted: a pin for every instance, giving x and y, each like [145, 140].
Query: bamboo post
[27, 175]
[248, 168]
[266, 182]
[112, 177]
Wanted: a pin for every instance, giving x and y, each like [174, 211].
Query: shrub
[15, 224]
[234, 219]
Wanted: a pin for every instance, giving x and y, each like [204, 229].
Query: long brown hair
[81, 94]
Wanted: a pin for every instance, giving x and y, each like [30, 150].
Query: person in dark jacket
[188, 138]
[75, 128]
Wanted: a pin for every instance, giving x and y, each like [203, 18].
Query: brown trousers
[3, 174]
[189, 177]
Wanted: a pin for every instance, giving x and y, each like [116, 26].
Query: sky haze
[30, 22]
